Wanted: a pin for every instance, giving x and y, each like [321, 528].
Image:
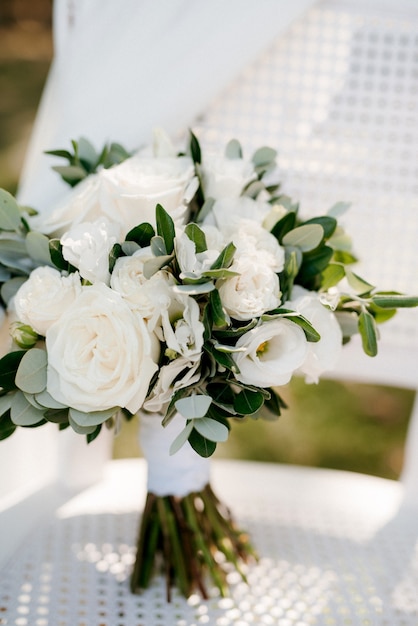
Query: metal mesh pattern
[337, 96]
[321, 556]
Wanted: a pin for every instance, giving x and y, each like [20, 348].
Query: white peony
[323, 355]
[227, 211]
[255, 290]
[44, 297]
[100, 353]
[271, 353]
[223, 177]
[251, 239]
[87, 246]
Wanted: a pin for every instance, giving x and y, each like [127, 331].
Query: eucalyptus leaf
[8, 367]
[129, 248]
[368, 332]
[72, 174]
[5, 402]
[46, 400]
[194, 290]
[211, 429]
[306, 237]
[87, 153]
[5, 274]
[37, 246]
[338, 209]
[328, 223]
[264, 156]
[32, 400]
[205, 210]
[233, 149]
[181, 438]
[151, 266]
[10, 218]
[284, 225]
[248, 402]
[31, 373]
[93, 418]
[80, 430]
[158, 247]
[11, 287]
[194, 406]
[359, 285]
[22, 413]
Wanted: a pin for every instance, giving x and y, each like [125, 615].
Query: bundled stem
[186, 537]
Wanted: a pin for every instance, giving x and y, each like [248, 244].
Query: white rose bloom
[182, 328]
[323, 355]
[44, 297]
[272, 353]
[87, 247]
[249, 238]
[254, 291]
[148, 296]
[227, 211]
[223, 177]
[174, 376]
[100, 353]
[129, 192]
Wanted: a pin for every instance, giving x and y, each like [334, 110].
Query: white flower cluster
[127, 336]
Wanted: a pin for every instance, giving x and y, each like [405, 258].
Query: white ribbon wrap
[177, 475]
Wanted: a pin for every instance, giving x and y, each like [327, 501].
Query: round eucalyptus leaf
[37, 246]
[94, 418]
[181, 438]
[31, 373]
[306, 237]
[22, 413]
[10, 218]
[211, 429]
[194, 406]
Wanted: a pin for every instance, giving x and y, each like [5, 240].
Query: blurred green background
[338, 425]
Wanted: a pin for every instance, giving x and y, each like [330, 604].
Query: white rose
[148, 296]
[130, 191]
[227, 211]
[323, 355]
[182, 328]
[44, 297]
[100, 353]
[223, 177]
[127, 194]
[254, 291]
[87, 247]
[272, 353]
[251, 238]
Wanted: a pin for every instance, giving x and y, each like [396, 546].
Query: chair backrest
[337, 96]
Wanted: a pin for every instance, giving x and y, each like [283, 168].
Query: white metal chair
[337, 94]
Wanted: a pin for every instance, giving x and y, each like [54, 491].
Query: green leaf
[57, 416]
[222, 396]
[5, 403]
[211, 429]
[129, 247]
[274, 404]
[151, 266]
[219, 274]
[37, 246]
[55, 249]
[93, 418]
[181, 438]
[114, 255]
[8, 368]
[92, 436]
[284, 225]
[329, 224]
[248, 402]
[338, 209]
[87, 154]
[398, 301]
[235, 333]
[81, 430]
[225, 258]
[332, 275]
[46, 400]
[201, 445]
[165, 227]
[314, 263]
[10, 288]
[264, 156]
[342, 256]
[158, 247]
[194, 406]
[141, 234]
[22, 413]
[233, 149]
[219, 316]
[31, 373]
[205, 210]
[7, 427]
[196, 235]
[359, 285]
[368, 332]
[195, 148]
[10, 218]
[306, 237]
[194, 290]
[71, 174]
[222, 358]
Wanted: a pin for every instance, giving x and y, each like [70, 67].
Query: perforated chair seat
[334, 550]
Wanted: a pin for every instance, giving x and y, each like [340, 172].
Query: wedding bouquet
[185, 288]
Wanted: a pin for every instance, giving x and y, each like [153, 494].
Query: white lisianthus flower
[271, 353]
[44, 297]
[255, 290]
[192, 263]
[147, 296]
[223, 177]
[87, 247]
[100, 353]
[182, 328]
[323, 355]
[174, 376]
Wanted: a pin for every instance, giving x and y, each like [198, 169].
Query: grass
[338, 425]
